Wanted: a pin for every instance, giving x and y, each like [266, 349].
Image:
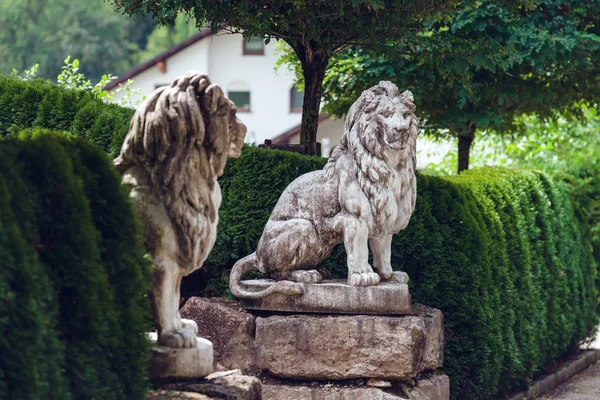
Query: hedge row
[73, 280]
[499, 251]
[39, 103]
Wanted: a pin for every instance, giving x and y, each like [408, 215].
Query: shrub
[39, 103]
[501, 252]
[74, 227]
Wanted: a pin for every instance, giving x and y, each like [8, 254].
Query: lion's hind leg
[288, 249]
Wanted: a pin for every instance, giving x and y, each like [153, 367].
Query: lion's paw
[397, 276]
[178, 338]
[364, 279]
[190, 325]
[310, 276]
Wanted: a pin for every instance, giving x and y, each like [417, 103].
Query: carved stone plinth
[346, 347]
[182, 363]
[436, 387]
[334, 296]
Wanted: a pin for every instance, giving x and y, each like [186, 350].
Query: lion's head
[179, 121]
[380, 133]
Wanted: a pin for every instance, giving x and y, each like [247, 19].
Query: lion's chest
[397, 205]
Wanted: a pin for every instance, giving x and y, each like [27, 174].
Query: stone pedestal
[334, 297]
[174, 363]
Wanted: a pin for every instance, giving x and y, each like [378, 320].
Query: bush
[39, 103]
[500, 252]
[75, 275]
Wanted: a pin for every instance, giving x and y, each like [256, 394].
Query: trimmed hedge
[73, 281]
[499, 251]
[39, 103]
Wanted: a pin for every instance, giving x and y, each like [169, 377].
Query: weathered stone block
[231, 385]
[182, 363]
[335, 296]
[433, 356]
[228, 327]
[436, 387]
[341, 347]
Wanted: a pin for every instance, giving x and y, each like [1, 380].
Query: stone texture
[182, 363]
[335, 296]
[433, 356]
[228, 327]
[345, 347]
[173, 184]
[364, 195]
[437, 387]
[230, 385]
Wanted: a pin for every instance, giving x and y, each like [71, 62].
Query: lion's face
[395, 119]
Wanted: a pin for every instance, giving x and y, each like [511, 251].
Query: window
[254, 46]
[296, 99]
[241, 100]
[159, 85]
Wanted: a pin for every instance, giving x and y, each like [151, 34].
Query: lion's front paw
[397, 276]
[190, 325]
[364, 279]
[178, 338]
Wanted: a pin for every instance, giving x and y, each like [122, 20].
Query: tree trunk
[313, 68]
[465, 140]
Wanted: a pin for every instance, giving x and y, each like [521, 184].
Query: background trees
[483, 67]
[315, 30]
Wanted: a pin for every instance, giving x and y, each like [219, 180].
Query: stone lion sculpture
[364, 195]
[177, 146]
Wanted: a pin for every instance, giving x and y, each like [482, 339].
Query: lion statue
[365, 194]
[176, 148]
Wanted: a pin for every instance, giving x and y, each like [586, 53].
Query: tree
[315, 29]
[483, 67]
[45, 32]
[164, 37]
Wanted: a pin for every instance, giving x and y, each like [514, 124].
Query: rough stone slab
[433, 357]
[173, 363]
[436, 387]
[345, 347]
[335, 297]
[230, 385]
[230, 329]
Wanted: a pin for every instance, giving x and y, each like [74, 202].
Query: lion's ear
[407, 95]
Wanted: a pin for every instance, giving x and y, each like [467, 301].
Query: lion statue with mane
[176, 148]
[364, 195]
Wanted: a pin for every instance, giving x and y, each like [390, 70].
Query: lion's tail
[250, 263]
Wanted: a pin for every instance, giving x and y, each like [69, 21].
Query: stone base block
[173, 363]
[334, 297]
[344, 347]
[231, 385]
[436, 387]
[230, 329]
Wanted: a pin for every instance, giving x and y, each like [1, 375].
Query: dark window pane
[241, 100]
[253, 45]
[297, 99]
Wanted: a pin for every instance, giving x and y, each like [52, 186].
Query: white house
[267, 101]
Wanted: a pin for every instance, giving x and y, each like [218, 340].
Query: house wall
[221, 56]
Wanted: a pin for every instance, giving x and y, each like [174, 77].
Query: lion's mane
[364, 141]
[174, 137]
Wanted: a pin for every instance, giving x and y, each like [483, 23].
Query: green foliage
[38, 103]
[44, 31]
[501, 252]
[483, 67]
[77, 291]
[164, 37]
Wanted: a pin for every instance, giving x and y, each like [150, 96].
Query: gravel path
[583, 386]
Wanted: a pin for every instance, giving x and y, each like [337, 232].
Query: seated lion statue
[177, 146]
[364, 195]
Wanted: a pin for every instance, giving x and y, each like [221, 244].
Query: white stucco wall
[221, 56]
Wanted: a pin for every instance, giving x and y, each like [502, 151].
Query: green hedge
[500, 251]
[73, 280]
[39, 103]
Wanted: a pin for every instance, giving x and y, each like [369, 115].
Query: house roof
[159, 58]
[285, 137]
